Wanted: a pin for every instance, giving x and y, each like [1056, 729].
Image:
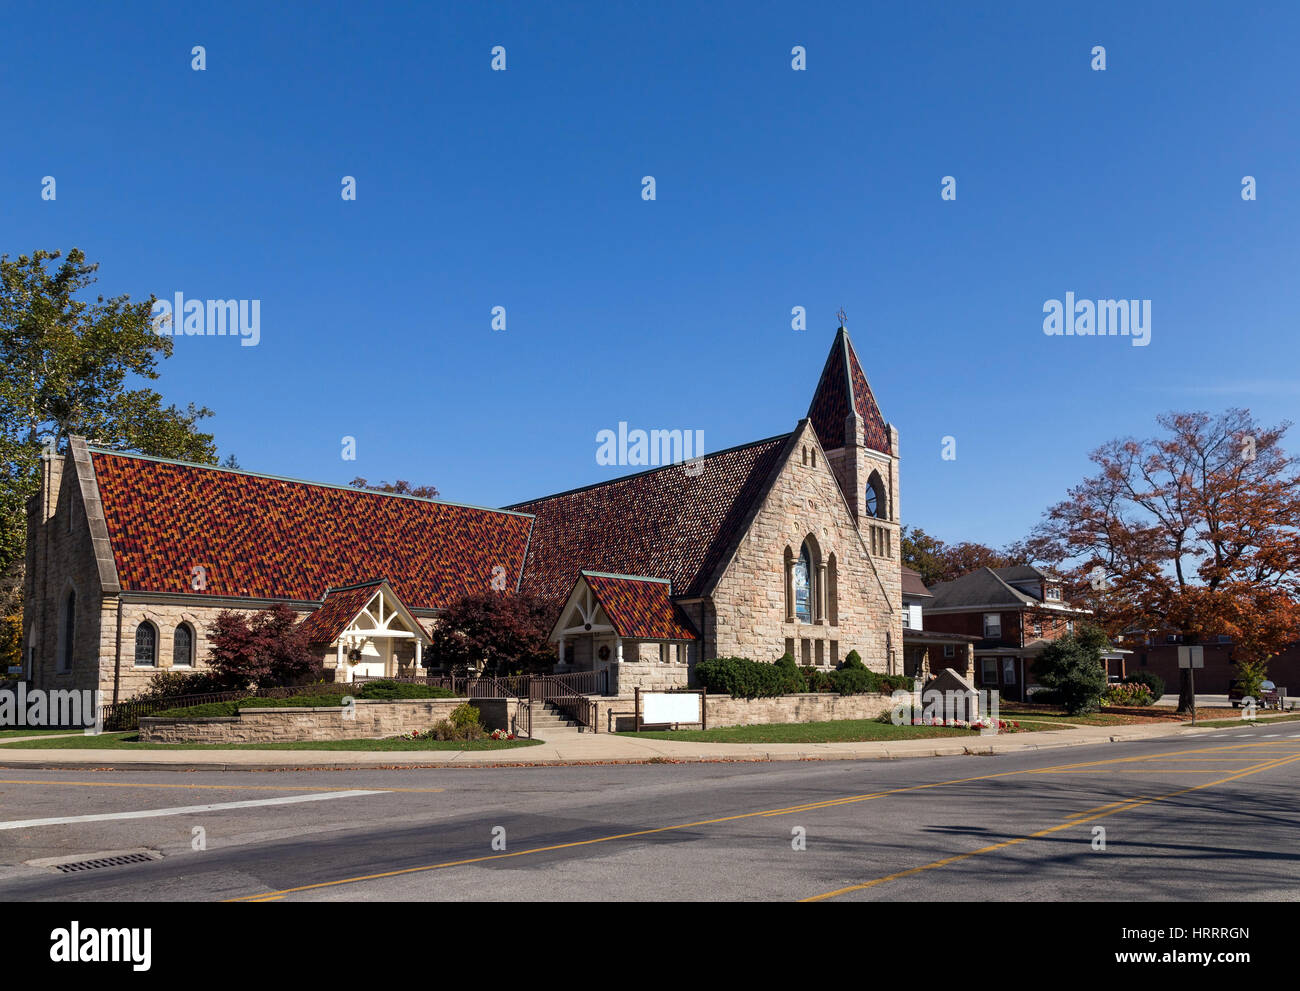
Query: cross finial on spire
[844, 317]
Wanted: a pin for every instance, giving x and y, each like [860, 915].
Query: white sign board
[1191, 657]
[671, 707]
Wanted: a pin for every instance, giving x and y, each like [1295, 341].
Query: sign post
[1192, 658]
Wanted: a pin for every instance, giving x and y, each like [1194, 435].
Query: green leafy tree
[1071, 667]
[73, 362]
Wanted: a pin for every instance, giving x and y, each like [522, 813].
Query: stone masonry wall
[619, 714]
[749, 602]
[373, 720]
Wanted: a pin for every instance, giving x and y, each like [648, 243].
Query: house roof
[640, 608]
[260, 536]
[1024, 573]
[977, 589]
[676, 522]
[914, 586]
[842, 388]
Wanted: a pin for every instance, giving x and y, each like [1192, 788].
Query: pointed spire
[841, 390]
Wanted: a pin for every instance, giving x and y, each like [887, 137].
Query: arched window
[803, 586]
[68, 628]
[877, 502]
[183, 646]
[146, 645]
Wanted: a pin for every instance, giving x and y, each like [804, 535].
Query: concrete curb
[1052, 740]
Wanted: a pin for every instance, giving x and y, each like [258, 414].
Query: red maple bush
[265, 650]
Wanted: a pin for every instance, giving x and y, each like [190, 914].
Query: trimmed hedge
[742, 678]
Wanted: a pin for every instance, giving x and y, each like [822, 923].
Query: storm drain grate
[76, 867]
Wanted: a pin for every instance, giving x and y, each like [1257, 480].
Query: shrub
[853, 680]
[1072, 667]
[1153, 681]
[266, 649]
[383, 690]
[853, 661]
[742, 678]
[817, 680]
[170, 684]
[792, 679]
[465, 716]
[1128, 694]
[445, 729]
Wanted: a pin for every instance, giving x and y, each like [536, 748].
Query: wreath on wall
[603, 653]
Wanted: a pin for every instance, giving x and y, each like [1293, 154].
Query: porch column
[561, 660]
[618, 649]
[419, 655]
[341, 664]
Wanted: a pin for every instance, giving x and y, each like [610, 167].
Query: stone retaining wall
[370, 720]
[619, 714]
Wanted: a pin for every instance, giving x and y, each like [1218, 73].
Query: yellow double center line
[1101, 812]
[787, 810]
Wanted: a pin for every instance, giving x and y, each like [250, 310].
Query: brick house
[784, 544]
[1013, 613]
[1157, 651]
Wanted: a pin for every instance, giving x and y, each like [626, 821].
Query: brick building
[784, 544]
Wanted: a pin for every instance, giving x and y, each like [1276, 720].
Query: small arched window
[68, 629]
[803, 586]
[183, 646]
[146, 645]
[832, 591]
[876, 502]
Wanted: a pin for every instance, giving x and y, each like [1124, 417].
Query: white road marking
[187, 809]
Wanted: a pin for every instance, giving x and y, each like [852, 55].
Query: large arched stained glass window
[183, 647]
[875, 498]
[803, 586]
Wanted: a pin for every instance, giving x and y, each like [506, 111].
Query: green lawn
[131, 741]
[834, 731]
[32, 732]
[1261, 721]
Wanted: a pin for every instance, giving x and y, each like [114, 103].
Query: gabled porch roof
[632, 607]
[368, 609]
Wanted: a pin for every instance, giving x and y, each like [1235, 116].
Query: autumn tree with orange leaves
[1197, 529]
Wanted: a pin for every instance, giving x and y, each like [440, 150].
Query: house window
[1069, 626]
[949, 650]
[988, 670]
[789, 646]
[907, 617]
[69, 630]
[1038, 629]
[1054, 592]
[992, 625]
[805, 648]
[803, 586]
[146, 645]
[183, 646]
[1008, 670]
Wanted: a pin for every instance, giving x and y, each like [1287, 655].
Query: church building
[788, 544]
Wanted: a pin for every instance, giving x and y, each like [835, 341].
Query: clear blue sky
[775, 188]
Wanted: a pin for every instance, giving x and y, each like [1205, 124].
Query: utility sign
[1191, 657]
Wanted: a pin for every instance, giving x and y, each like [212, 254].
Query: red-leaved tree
[265, 650]
[1197, 529]
[506, 634]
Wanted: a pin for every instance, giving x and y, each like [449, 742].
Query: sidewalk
[588, 748]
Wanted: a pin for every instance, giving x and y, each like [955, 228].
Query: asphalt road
[1208, 816]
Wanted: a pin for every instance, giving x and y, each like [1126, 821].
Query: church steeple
[843, 392]
[861, 447]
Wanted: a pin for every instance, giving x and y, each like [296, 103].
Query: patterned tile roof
[640, 608]
[259, 536]
[663, 523]
[340, 607]
[842, 387]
